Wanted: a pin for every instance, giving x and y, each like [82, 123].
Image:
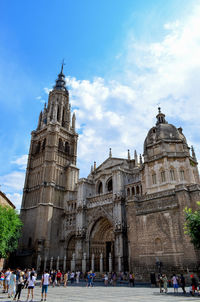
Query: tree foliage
[192, 225]
[10, 230]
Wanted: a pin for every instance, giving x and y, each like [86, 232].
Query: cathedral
[127, 215]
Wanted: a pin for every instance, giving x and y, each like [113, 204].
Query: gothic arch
[97, 215]
[109, 184]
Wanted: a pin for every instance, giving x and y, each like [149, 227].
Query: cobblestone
[103, 294]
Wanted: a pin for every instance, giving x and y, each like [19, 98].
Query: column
[73, 263]
[101, 263]
[51, 263]
[119, 264]
[84, 263]
[45, 263]
[110, 263]
[57, 264]
[64, 264]
[38, 263]
[92, 263]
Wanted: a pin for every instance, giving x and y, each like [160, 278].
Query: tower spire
[60, 82]
[160, 117]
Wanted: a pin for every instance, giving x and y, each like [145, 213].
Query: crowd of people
[14, 281]
[178, 282]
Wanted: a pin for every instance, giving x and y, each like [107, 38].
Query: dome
[163, 131]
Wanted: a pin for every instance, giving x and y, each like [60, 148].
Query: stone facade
[127, 215]
[4, 201]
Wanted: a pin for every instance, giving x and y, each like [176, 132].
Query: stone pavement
[103, 294]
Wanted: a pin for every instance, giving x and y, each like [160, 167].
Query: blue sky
[122, 59]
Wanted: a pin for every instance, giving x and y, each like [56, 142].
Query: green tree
[192, 225]
[10, 230]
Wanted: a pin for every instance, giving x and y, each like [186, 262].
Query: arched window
[67, 147]
[100, 188]
[29, 242]
[38, 147]
[137, 190]
[133, 191]
[154, 180]
[158, 245]
[63, 118]
[60, 144]
[44, 144]
[182, 174]
[172, 174]
[128, 192]
[58, 113]
[109, 185]
[162, 174]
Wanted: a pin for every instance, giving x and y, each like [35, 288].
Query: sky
[123, 59]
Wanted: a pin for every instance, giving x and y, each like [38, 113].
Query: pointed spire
[129, 156]
[193, 153]
[136, 157]
[110, 152]
[92, 169]
[60, 82]
[39, 120]
[74, 121]
[160, 117]
[140, 159]
[95, 165]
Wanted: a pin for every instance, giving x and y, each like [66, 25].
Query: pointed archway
[102, 242]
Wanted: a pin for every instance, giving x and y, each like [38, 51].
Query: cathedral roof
[163, 131]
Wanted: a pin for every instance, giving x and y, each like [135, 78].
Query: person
[182, 283]
[20, 284]
[160, 282]
[58, 277]
[175, 283]
[77, 276]
[131, 280]
[65, 279]
[31, 284]
[7, 279]
[12, 285]
[106, 279]
[1, 278]
[72, 277]
[53, 278]
[193, 284]
[165, 281]
[89, 279]
[46, 279]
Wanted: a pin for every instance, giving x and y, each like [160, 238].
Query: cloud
[16, 199]
[21, 161]
[12, 182]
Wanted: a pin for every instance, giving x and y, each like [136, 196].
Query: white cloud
[16, 199]
[21, 161]
[12, 182]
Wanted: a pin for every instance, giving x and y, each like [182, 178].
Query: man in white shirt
[46, 279]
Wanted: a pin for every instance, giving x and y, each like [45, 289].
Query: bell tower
[51, 176]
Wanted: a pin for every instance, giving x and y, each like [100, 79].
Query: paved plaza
[103, 294]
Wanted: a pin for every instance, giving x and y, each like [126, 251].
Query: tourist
[106, 279]
[12, 284]
[131, 279]
[175, 283]
[7, 279]
[65, 279]
[1, 278]
[72, 275]
[53, 278]
[31, 284]
[77, 276]
[20, 284]
[165, 281]
[182, 283]
[193, 284]
[46, 279]
[160, 282]
[114, 279]
[58, 277]
[89, 280]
